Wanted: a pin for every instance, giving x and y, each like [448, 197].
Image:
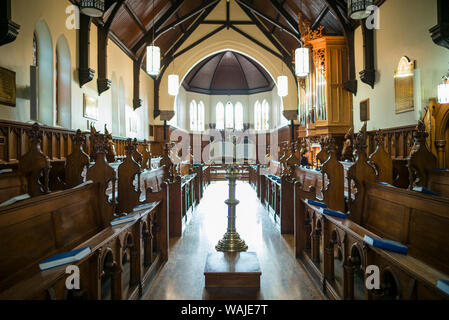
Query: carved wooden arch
[440, 128]
[106, 255]
[357, 248]
[339, 241]
[388, 270]
[128, 241]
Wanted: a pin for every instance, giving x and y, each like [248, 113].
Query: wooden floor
[182, 278]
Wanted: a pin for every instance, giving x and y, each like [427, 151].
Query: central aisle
[182, 278]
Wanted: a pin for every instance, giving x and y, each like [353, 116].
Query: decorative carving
[307, 33]
[421, 162]
[77, 162]
[381, 160]
[347, 153]
[333, 194]
[146, 156]
[34, 165]
[137, 156]
[101, 172]
[110, 146]
[360, 173]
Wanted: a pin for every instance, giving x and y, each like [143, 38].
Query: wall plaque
[364, 110]
[90, 110]
[7, 87]
[404, 86]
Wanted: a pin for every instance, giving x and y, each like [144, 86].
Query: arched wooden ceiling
[228, 73]
[172, 21]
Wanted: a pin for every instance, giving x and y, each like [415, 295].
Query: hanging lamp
[153, 57]
[92, 8]
[443, 90]
[359, 9]
[302, 64]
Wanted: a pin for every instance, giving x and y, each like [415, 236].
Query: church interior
[224, 150]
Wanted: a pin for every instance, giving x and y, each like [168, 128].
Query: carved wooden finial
[331, 146]
[79, 138]
[130, 147]
[420, 135]
[100, 143]
[35, 134]
[360, 141]
[380, 138]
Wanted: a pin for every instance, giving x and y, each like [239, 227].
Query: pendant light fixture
[282, 84]
[443, 90]
[359, 9]
[92, 8]
[302, 64]
[173, 83]
[153, 57]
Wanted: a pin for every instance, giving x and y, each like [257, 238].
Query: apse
[228, 90]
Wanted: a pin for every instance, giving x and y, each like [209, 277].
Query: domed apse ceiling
[228, 73]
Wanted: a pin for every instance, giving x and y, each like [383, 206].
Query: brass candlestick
[231, 241]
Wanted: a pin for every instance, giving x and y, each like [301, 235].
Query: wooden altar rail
[124, 259]
[335, 254]
[56, 144]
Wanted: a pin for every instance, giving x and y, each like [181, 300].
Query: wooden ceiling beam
[193, 45]
[260, 44]
[274, 41]
[168, 57]
[320, 17]
[161, 31]
[148, 36]
[280, 9]
[295, 33]
[134, 16]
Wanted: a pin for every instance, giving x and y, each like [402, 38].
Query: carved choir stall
[54, 200]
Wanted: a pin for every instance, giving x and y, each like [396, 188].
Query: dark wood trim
[134, 16]
[440, 33]
[103, 83]
[161, 31]
[9, 30]
[85, 74]
[320, 17]
[295, 33]
[243, 33]
[290, 21]
[148, 36]
[199, 41]
[368, 74]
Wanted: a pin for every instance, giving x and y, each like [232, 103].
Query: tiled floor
[182, 278]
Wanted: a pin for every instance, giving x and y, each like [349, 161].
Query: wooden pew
[123, 260]
[334, 252]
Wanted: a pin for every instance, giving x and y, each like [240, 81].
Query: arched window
[197, 116]
[220, 116]
[229, 116]
[44, 59]
[265, 115]
[122, 106]
[238, 116]
[201, 116]
[63, 84]
[193, 116]
[257, 116]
